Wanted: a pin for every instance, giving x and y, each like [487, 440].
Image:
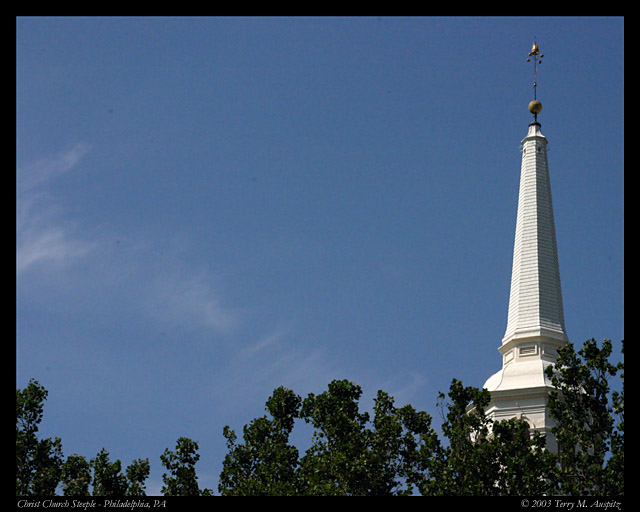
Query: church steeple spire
[535, 323]
[535, 302]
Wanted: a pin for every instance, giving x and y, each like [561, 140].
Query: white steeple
[535, 322]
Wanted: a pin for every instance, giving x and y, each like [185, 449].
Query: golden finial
[535, 106]
[534, 50]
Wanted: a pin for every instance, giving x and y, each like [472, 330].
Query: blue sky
[209, 208]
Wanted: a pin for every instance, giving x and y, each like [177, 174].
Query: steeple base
[521, 388]
[529, 404]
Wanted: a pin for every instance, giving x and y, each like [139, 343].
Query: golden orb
[535, 107]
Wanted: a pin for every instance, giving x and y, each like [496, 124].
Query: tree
[137, 473]
[76, 476]
[38, 461]
[522, 467]
[591, 458]
[265, 464]
[108, 479]
[337, 462]
[354, 456]
[615, 465]
[393, 451]
[349, 454]
[482, 457]
[181, 464]
[41, 467]
[457, 468]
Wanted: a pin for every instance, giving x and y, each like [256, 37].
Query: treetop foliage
[390, 451]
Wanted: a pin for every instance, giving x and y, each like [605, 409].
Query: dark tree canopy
[38, 461]
[181, 464]
[396, 451]
[590, 418]
[389, 451]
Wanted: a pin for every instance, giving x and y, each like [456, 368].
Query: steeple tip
[535, 107]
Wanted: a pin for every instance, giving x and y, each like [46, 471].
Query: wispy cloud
[164, 288]
[41, 235]
[281, 357]
[155, 281]
[265, 344]
[48, 244]
[189, 298]
[406, 387]
[50, 167]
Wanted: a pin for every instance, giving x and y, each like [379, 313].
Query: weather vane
[535, 106]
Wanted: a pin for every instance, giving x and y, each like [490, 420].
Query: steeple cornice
[535, 133]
